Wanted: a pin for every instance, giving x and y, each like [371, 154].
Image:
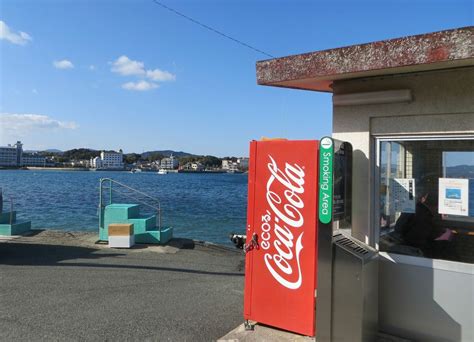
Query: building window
[426, 196]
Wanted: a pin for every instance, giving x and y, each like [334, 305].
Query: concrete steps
[9, 225]
[5, 217]
[118, 211]
[155, 236]
[16, 228]
[143, 224]
[145, 229]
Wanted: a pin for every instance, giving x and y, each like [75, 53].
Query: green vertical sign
[326, 156]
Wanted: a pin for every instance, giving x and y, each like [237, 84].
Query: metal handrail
[111, 189]
[134, 198]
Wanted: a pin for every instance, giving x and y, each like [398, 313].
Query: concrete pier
[61, 286]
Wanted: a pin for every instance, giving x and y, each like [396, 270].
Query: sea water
[200, 206]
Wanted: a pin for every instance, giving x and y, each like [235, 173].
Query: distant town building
[226, 163]
[233, 167]
[33, 159]
[11, 155]
[81, 163]
[243, 163]
[197, 166]
[96, 163]
[108, 160]
[169, 163]
[193, 166]
[112, 160]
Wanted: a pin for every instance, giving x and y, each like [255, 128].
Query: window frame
[376, 143]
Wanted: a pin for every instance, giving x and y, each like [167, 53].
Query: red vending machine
[281, 249]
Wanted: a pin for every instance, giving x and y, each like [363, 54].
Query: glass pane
[427, 198]
[392, 166]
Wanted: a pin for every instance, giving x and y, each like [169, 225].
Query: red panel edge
[314, 330]
[250, 226]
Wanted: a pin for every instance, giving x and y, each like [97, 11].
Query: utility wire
[211, 29]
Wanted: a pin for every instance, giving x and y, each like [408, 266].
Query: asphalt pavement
[62, 287]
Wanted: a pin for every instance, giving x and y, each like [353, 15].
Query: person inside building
[420, 230]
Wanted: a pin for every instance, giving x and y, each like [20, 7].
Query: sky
[131, 75]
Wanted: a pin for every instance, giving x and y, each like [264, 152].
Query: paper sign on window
[453, 196]
[403, 194]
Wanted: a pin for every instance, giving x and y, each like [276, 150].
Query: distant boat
[135, 170]
[162, 172]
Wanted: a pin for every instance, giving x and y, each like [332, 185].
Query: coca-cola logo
[282, 222]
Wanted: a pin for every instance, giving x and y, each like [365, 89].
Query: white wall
[417, 302]
[426, 300]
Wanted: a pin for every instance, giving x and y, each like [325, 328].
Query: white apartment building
[242, 164]
[112, 160]
[108, 160]
[169, 163]
[11, 155]
[33, 159]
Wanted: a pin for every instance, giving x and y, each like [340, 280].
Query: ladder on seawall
[113, 186]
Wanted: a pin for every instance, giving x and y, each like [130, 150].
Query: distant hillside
[53, 150]
[80, 154]
[129, 158]
[167, 153]
[460, 171]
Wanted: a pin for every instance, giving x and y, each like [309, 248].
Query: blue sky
[131, 75]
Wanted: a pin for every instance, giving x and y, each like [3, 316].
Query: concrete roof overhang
[318, 70]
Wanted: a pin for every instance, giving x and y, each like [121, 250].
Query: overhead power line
[211, 29]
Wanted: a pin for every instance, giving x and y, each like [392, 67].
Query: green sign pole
[326, 156]
[325, 234]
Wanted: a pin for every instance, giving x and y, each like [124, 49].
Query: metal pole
[100, 193]
[11, 211]
[100, 202]
[159, 217]
[110, 181]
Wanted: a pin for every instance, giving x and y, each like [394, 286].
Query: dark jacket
[423, 229]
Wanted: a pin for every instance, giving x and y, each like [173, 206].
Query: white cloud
[125, 66]
[160, 75]
[139, 86]
[19, 38]
[128, 67]
[92, 67]
[64, 64]
[18, 125]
